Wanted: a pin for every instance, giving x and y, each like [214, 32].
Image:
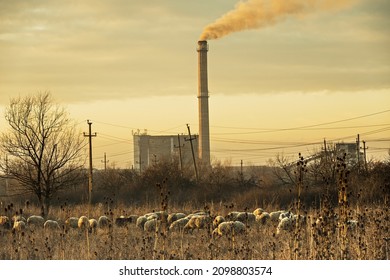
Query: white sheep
[150, 225]
[229, 228]
[72, 222]
[103, 222]
[258, 211]
[141, 221]
[179, 224]
[246, 217]
[285, 214]
[17, 218]
[51, 225]
[157, 215]
[151, 216]
[232, 216]
[35, 221]
[83, 223]
[197, 222]
[174, 217]
[263, 218]
[162, 215]
[274, 216]
[217, 220]
[93, 224]
[19, 226]
[285, 224]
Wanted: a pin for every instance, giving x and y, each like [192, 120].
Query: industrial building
[149, 150]
[352, 152]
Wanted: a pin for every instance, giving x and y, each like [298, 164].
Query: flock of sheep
[18, 223]
[232, 223]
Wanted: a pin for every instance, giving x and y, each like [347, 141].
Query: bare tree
[283, 169]
[44, 148]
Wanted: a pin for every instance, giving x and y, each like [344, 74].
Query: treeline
[239, 188]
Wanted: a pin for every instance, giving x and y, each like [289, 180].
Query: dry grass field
[324, 238]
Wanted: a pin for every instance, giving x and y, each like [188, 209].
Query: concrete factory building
[149, 150]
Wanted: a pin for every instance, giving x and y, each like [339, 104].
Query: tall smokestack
[203, 104]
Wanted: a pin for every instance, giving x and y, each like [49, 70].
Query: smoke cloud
[253, 14]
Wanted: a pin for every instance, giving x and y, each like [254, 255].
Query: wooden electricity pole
[365, 155]
[192, 149]
[90, 135]
[105, 161]
[179, 147]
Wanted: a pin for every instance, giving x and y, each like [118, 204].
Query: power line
[267, 130]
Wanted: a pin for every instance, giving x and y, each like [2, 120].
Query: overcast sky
[133, 64]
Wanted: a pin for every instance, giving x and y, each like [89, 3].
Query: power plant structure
[148, 148]
[203, 104]
[152, 149]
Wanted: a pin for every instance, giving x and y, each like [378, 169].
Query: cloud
[82, 50]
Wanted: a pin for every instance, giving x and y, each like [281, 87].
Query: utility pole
[140, 162]
[192, 149]
[365, 155]
[90, 135]
[179, 147]
[358, 150]
[105, 161]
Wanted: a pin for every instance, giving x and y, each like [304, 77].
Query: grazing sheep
[92, 224]
[151, 216]
[150, 225]
[162, 215]
[72, 222]
[246, 217]
[197, 222]
[51, 225]
[157, 215]
[285, 214]
[274, 216]
[103, 222]
[19, 226]
[83, 223]
[18, 218]
[232, 216]
[141, 221]
[200, 213]
[174, 217]
[217, 220]
[179, 224]
[285, 224]
[263, 218]
[5, 222]
[228, 228]
[35, 221]
[258, 211]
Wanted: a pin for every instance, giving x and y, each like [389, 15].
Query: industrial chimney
[203, 104]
